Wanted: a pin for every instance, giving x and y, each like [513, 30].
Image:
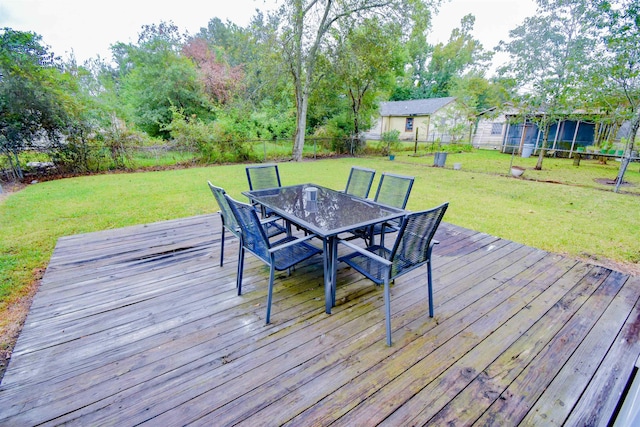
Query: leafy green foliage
[155, 77]
[460, 54]
[217, 142]
[366, 60]
[389, 141]
[435, 69]
[32, 105]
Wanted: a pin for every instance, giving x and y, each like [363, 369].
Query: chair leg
[240, 269]
[270, 294]
[387, 310]
[430, 288]
[222, 247]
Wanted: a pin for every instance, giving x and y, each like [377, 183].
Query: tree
[304, 29]
[366, 60]
[548, 53]
[479, 96]
[221, 81]
[154, 77]
[461, 54]
[417, 50]
[32, 107]
[618, 72]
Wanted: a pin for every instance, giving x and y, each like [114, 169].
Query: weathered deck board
[141, 325]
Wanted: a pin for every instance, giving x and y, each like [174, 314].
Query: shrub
[217, 142]
[389, 141]
[104, 149]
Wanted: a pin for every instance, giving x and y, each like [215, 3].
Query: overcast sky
[88, 27]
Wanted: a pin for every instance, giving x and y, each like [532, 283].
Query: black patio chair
[411, 249]
[359, 182]
[280, 255]
[393, 190]
[261, 177]
[229, 222]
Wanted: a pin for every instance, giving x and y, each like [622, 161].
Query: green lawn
[578, 219]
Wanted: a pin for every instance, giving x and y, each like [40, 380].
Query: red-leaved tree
[220, 80]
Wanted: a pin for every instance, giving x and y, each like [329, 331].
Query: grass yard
[578, 219]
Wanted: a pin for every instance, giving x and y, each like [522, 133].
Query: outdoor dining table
[325, 213]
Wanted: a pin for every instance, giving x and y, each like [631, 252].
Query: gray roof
[415, 107]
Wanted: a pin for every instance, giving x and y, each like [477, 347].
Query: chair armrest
[367, 253]
[291, 243]
[270, 219]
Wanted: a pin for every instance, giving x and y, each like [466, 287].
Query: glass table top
[332, 212]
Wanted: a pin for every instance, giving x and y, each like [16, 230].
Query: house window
[408, 126]
[496, 128]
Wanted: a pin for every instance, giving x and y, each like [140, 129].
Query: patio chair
[261, 177]
[280, 255]
[359, 182]
[411, 249]
[393, 190]
[229, 222]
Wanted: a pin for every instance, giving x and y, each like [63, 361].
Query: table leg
[334, 269]
[330, 246]
[327, 276]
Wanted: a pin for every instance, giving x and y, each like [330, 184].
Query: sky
[88, 28]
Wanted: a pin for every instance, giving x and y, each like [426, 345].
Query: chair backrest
[359, 182]
[263, 176]
[393, 190]
[228, 218]
[412, 245]
[254, 238]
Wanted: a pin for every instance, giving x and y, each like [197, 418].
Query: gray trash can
[439, 159]
[527, 150]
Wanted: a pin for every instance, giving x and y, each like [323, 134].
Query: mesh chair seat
[368, 267]
[291, 255]
[411, 249]
[272, 228]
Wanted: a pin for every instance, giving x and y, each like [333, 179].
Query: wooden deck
[140, 325]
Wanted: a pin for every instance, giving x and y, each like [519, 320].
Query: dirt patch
[11, 187]
[607, 181]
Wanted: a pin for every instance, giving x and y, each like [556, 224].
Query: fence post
[264, 149]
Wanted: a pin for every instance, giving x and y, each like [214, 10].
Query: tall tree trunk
[543, 148]
[356, 103]
[302, 104]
